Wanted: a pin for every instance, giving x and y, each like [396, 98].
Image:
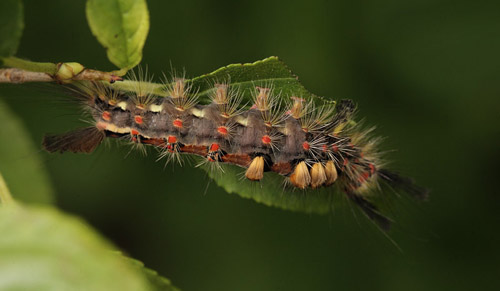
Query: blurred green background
[425, 72]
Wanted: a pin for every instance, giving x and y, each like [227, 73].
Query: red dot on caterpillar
[177, 123]
[106, 115]
[214, 147]
[266, 139]
[306, 146]
[138, 119]
[372, 168]
[171, 139]
[222, 130]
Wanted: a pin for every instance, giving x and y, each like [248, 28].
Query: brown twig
[18, 76]
[89, 74]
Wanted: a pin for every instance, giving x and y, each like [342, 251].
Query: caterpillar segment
[300, 143]
[311, 146]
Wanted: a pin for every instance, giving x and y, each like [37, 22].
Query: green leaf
[11, 26]
[121, 26]
[20, 163]
[43, 249]
[269, 71]
[270, 191]
[244, 76]
[156, 281]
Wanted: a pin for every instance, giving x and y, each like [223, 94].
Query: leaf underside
[272, 191]
[121, 26]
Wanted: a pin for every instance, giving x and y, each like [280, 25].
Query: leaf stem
[13, 62]
[149, 87]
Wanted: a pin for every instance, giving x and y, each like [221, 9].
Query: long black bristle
[405, 184]
[370, 210]
[82, 140]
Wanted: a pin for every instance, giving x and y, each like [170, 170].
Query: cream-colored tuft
[255, 171]
[122, 105]
[200, 113]
[318, 176]
[155, 108]
[330, 172]
[300, 177]
[262, 98]
[297, 110]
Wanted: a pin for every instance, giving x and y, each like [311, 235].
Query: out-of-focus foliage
[11, 26]
[42, 249]
[20, 162]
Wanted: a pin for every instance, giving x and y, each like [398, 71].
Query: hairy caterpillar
[311, 145]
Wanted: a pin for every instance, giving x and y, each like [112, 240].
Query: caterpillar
[311, 146]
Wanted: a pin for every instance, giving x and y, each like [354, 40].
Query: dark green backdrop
[425, 72]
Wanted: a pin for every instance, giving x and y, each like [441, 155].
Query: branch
[22, 71]
[18, 76]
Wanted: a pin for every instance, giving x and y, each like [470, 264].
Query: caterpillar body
[310, 146]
